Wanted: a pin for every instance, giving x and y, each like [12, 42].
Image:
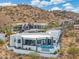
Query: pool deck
[43, 54]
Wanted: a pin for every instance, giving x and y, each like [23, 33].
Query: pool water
[46, 48]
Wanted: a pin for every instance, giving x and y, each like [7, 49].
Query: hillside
[25, 13]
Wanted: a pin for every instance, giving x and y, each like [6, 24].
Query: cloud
[57, 1]
[45, 3]
[39, 3]
[67, 4]
[35, 2]
[67, 7]
[76, 10]
[7, 4]
[70, 7]
[55, 8]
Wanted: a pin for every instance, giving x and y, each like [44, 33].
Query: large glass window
[44, 42]
[19, 41]
[31, 27]
[27, 42]
[33, 42]
[14, 39]
[54, 41]
[30, 42]
[39, 42]
[47, 42]
[35, 26]
[39, 27]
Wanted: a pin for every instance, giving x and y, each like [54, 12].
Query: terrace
[28, 27]
[42, 43]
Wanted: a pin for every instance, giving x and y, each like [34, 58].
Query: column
[36, 45]
[22, 42]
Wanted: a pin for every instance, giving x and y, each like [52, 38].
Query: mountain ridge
[27, 13]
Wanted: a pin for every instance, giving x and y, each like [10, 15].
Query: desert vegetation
[22, 14]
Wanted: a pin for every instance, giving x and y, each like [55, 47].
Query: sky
[50, 5]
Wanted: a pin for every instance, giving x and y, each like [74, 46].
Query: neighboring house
[2, 36]
[45, 44]
[66, 22]
[76, 21]
[76, 28]
[76, 31]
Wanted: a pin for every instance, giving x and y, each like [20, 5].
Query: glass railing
[46, 46]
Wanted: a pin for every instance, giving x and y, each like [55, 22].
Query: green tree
[73, 51]
[71, 34]
[61, 53]
[34, 55]
[1, 42]
[7, 30]
[52, 58]
[53, 25]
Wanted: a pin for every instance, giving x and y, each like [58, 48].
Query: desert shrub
[1, 41]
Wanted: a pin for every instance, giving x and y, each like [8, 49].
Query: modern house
[21, 27]
[45, 44]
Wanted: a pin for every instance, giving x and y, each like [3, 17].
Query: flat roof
[48, 34]
[29, 23]
[32, 35]
[35, 35]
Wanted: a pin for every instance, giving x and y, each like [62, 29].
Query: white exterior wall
[18, 44]
[12, 43]
[31, 47]
[15, 38]
[53, 33]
